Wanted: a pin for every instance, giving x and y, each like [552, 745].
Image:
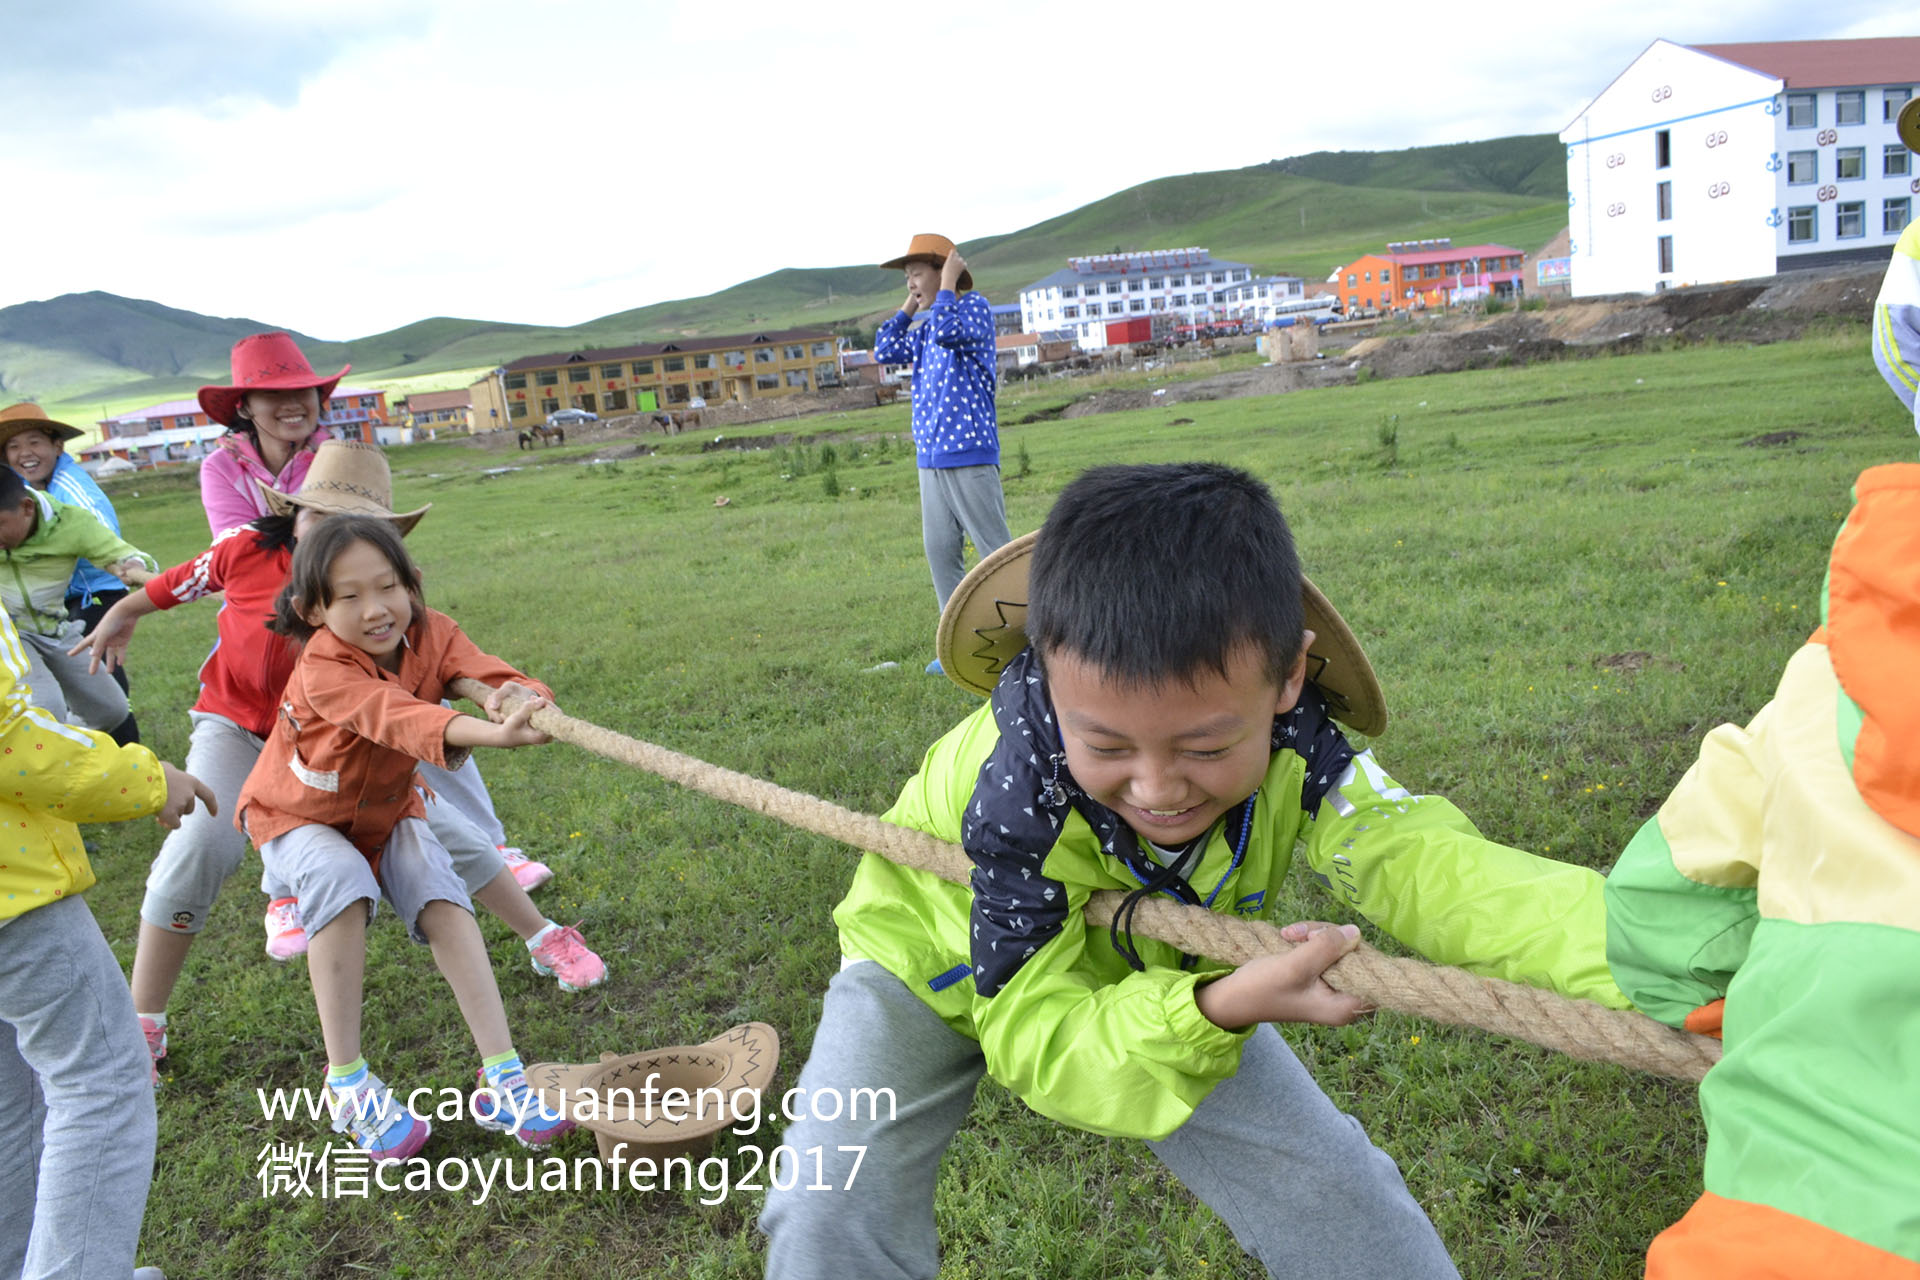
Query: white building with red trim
[1720, 162]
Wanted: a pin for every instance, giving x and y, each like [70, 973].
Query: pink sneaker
[530, 875]
[564, 952]
[286, 936]
[156, 1044]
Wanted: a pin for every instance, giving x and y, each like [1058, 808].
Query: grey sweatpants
[75, 1074]
[1296, 1180]
[196, 859]
[61, 685]
[957, 503]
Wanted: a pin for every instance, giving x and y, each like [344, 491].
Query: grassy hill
[87, 355]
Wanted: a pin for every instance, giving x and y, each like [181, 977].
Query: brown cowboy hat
[347, 478]
[1907, 125]
[694, 1095]
[983, 628]
[265, 362]
[928, 248]
[16, 418]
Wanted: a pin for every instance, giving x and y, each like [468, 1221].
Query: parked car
[570, 417]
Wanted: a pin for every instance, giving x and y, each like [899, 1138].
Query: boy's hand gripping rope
[1578, 1028]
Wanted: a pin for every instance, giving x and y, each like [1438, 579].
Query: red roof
[1450, 255]
[722, 342]
[431, 401]
[1823, 64]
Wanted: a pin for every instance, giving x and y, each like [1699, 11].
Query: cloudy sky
[348, 166]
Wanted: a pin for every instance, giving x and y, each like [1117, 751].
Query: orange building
[1428, 273]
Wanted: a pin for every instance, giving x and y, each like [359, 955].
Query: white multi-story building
[1731, 161]
[1191, 285]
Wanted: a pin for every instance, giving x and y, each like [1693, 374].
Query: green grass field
[1523, 529]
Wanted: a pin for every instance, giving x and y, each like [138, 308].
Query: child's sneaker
[156, 1044]
[378, 1125]
[527, 873]
[563, 952]
[508, 1104]
[286, 935]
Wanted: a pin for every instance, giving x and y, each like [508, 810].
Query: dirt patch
[1771, 438]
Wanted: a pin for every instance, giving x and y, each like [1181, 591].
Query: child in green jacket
[73, 1065]
[41, 539]
[1171, 730]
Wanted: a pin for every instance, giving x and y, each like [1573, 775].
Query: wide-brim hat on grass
[1907, 125]
[347, 478]
[16, 418]
[265, 362]
[984, 627]
[928, 248]
[696, 1091]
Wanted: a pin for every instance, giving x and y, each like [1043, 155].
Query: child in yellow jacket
[72, 1059]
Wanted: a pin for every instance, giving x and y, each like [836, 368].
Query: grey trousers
[197, 858]
[957, 503]
[1295, 1179]
[74, 1071]
[61, 685]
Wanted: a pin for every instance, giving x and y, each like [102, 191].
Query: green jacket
[1087, 1040]
[33, 586]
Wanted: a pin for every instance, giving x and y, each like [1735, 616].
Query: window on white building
[1666, 255]
[1850, 163]
[1157, 282]
[1070, 313]
[1663, 201]
[1800, 225]
[1896, 161]
[1895, 214]
[1113, 286]
[1662, 148]
[1115, 308]
[1891, 100]
[1850, 219]
[1136, 285]
[1177, 300]
[1803, 168]
[1136, 304]
[1850, 106]
[1803, 111]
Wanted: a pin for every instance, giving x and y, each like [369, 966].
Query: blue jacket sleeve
[960, 323]
[893, 343]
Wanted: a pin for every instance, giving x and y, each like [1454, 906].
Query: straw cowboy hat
[1907, 124]
[663, 1102]
[347, 478]
[928, 248]
[265, 362]
[983, 628]
[16, 418]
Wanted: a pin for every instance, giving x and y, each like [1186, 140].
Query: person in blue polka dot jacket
[956, 434]
[73, 1064]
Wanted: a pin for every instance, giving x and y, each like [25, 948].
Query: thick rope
[1578, 1028]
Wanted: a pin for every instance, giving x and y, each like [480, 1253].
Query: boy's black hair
[314, 555]
[270, 532]
[1158, 573]
[13, 490]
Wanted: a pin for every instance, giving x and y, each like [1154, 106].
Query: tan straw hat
[983, 628]
[696, 1091]
[928, 248]
[347, 478]
[16, 418]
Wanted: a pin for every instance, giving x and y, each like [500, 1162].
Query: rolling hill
[84, 355]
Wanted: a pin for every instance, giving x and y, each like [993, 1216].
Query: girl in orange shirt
[333, 808]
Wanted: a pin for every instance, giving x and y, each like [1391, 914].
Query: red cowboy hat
[265, 362]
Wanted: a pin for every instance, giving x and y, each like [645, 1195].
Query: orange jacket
[343, 748]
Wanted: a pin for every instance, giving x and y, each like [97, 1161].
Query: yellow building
[667, 375]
